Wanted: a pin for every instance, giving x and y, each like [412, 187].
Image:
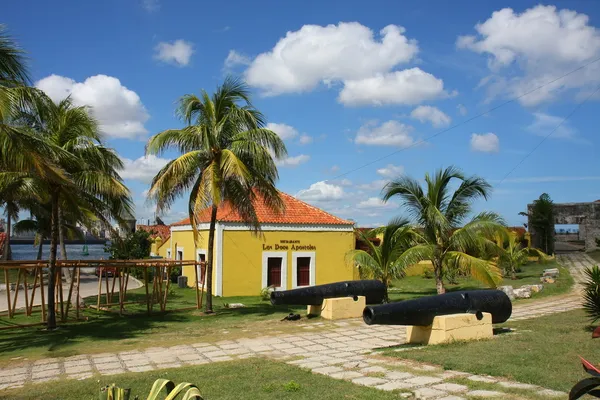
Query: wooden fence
[30, 282]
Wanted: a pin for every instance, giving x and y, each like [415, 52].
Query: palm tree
[440, 213]
[92, 181]
[513, 255]
[384, 262]
[13, 70]
[226, 155]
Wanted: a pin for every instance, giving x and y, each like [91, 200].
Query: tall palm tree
[13, 68]
[225, 156]
[384, 262]
[440, 213]
[90, 167]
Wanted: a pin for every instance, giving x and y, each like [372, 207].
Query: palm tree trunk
[52, 263]
[6, 253]
[40, 247]
[439, 281]
[209, 261]
[61, 235]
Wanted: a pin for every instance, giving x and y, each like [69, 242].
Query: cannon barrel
[373, 290]
[421, 311]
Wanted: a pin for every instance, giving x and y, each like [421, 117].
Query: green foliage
[134, 246]
[291, 386]
[384, 262]
[598, 242]
[265, 293]
[427, 273]
[512, 255]
[188, 391]
[441, 214]
[113, 392]
[591, 293]
[541, 220]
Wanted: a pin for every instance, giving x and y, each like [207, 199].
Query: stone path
[346, 352]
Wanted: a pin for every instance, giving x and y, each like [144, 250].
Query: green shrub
[427, 273]
[591, 293]
[291, 386]
[265, 293]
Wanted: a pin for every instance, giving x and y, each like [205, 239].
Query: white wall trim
[313, 259]
[180, 228]
[238, 226]
[182, 250]
[198, 252]
[265, 256]
[219, 259]
[169, 255]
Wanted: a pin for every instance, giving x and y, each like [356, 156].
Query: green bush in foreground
[188, 391]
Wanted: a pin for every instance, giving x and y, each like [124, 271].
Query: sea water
[74, 252]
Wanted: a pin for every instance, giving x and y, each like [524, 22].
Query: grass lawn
[543, 351]
[248, 379]
[417, 286]
[109, 332]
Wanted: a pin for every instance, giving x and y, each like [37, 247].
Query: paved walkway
[346, 352]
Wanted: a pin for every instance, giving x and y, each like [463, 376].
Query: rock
[522, 292]
[534, 288]
[236, 305]
[509, 291]
[547, 279]
[552, 272]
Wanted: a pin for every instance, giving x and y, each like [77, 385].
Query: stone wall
[586, 215]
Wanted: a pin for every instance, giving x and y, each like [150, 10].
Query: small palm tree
[513, 255]
[384, 262]
[226, 156]
[591, 293]
[440, 214]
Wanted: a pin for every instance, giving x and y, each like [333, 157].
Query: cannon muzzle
[421, 311]
[373, 290]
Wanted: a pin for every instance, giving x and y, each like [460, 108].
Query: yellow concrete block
[339, 308]
[448, 328]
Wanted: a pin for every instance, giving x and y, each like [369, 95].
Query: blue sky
[345, 84]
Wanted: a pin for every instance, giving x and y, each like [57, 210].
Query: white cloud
[151, 5]
[406, 87]
[342, 182]
[390, 133]
[119, 110]
[375, 202]
[543, 43]
[485, 142]
[431, 114]
[391, 171]
[284, 131]
[543, 124]
[314, 54]
[321, 191]
[234, 59]
[142, 169]
[375, 185]
[305, 139]
[292, 161]
[462, 110]
[178, 52]
[334, 169]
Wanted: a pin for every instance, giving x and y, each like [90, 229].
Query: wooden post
[120, 293]
[70, 293]
[106, 280]
[14, 304]
[146, 284]
[99, 289]
[42, 293]
[167, 288]
[196, 285]
[126, 284]
[7, 282]
[112, 290]
[78, 295]
[62, 303]
[35, 279]
[203, 282]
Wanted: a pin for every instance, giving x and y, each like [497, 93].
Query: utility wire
[468, 120]
[577, 107]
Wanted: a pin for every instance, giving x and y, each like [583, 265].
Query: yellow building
[302, 246]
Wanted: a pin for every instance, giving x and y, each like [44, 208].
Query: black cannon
[422, 311]
[373, 290]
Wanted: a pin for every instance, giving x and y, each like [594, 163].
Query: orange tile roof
[162, 231]
[296, 212]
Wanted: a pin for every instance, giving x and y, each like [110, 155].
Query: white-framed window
[274, 269]
[201, 256]
[179, 253]
[168, 254]
[303, 268]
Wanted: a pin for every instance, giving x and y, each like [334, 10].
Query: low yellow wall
[419, 268]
